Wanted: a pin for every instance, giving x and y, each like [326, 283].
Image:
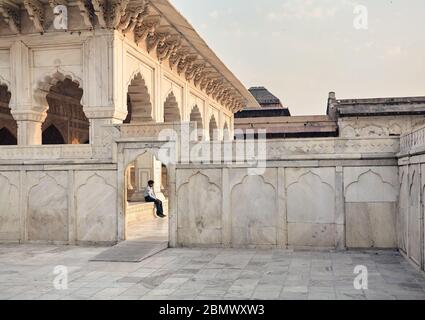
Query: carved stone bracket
[36, 13]
[169, 47]
[146, 27]
[117, 11]
[99, 7]
[10, 16]
[86, 11]
[134, 16]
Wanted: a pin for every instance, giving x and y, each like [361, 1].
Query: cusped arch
[44, 86]
[52, 135]
[316, 195]
[359, 190]
[226, 132]
[4, 82]
[138, 101]
[213, 129]
[171, 109]
[196, 116]
[7, 137]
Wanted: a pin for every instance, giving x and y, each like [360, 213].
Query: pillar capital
[105, 113]
[36, 115]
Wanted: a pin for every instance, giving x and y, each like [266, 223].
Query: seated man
[151, 197]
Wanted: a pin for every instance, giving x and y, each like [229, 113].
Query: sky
[303, 49]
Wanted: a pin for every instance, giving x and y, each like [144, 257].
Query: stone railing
[52, 153]
[153, 130]
[293, 149]
[233, 151]
[413, 142]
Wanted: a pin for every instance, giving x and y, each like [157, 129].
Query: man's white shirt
[149, 192]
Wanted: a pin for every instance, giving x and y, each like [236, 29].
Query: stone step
[131, 251]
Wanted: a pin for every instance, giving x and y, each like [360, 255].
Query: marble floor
[152, 230]
[27, 272]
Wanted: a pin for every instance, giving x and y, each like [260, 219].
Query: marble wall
[410, 215]
[199, 197]
[58, 206]
[302, 207]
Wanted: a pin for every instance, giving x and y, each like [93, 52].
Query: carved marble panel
[47, 206]
[254, 209]
[199, 207]
[311, 195]
[9, 206]
[96, 206]
[371, 184]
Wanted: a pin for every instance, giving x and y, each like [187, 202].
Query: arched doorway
[196, 116]
[141, 220]
[66, 122]
[171, 109]
[6, 137]
[213, 129]
[138, 102]
[8, 128]
[52, 135]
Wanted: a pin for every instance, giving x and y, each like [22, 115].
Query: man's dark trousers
[158, 205]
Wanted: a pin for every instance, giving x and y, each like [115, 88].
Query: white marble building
[124, 71]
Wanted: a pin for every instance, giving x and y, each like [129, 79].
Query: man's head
[151, 183]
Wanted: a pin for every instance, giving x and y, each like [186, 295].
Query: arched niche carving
[213, 129]
[138, 101]
[196, 116]
[60, 96]
[8, 128]
[171, 109]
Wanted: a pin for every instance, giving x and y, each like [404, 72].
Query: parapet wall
[314, 193]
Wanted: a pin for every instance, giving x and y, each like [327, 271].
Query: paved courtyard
[26, 272]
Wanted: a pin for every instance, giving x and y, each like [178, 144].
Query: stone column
[29, 126]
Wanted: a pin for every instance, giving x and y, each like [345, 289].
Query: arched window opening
[171, 109]
[8, 127]
[213, 129]
[226, 133]
[139, 104]
[52, 136]
[7, 138]
[65, 117]
[196, 116]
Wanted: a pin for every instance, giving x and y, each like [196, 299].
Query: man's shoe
[162, 216]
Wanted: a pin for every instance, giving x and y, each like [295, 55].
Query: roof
[265, 97]
[380, 106]
[180, 23]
